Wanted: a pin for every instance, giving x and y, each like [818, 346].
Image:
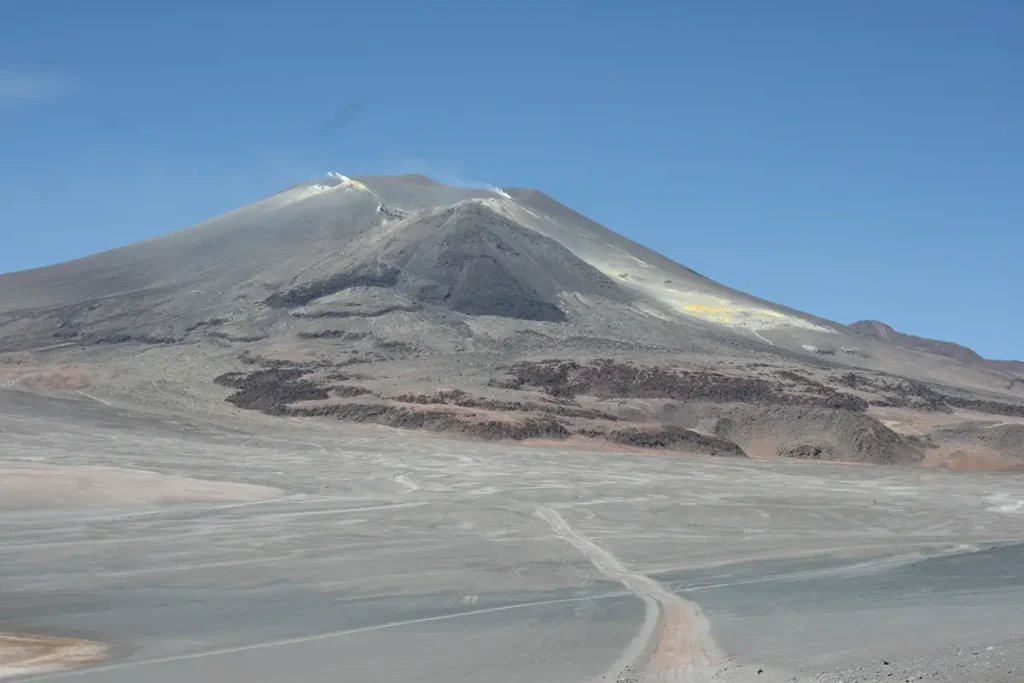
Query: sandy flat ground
[27, 654]
[46, 487]
[326, 552]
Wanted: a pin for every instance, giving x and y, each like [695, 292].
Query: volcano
[489, 313]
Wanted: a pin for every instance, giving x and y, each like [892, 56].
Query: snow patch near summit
[348, 183]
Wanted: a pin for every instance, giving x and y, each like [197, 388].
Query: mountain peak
[475, 310]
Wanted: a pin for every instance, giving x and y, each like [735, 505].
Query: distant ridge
[964, 354]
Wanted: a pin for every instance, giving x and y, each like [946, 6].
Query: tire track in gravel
[675, 637]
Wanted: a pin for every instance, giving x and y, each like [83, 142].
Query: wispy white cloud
[19, 84]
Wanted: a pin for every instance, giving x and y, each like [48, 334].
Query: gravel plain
[272, 549]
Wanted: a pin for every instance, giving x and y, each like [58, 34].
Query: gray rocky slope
[490, 313]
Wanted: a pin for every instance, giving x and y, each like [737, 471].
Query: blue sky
[852, 159]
